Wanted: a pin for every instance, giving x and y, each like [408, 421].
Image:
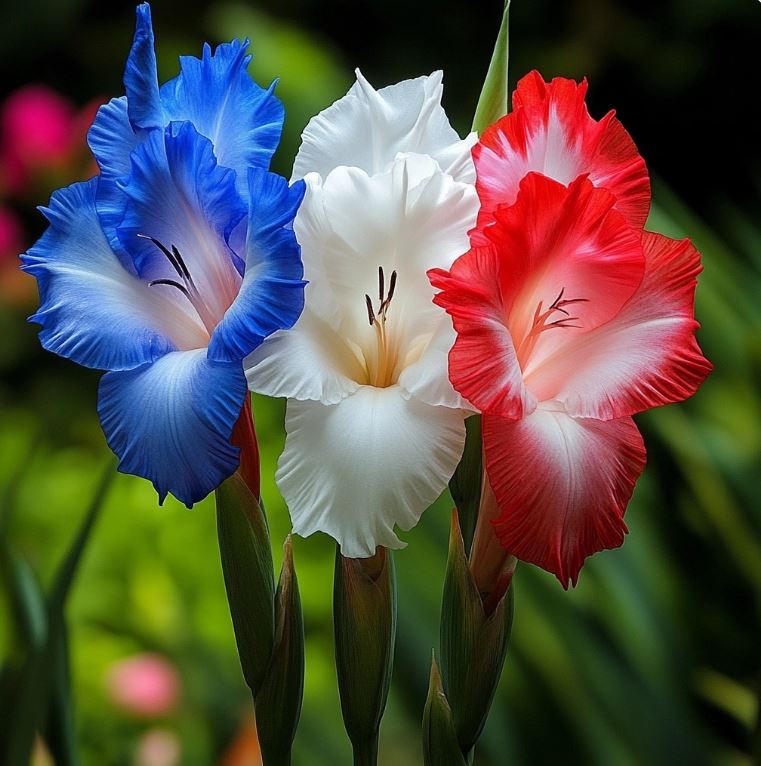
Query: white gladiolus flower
[374, 427]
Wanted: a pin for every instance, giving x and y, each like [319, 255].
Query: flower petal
[483, 365]
[171, 422]
[646, 356]
[367, 128]
[310, 361]
[242, 120]
[562, 485]
[141, 76]
[550, 132]
[179, 195]
[557, 240]
[358, 468]
[91, 310]
[112, 139]
[271, 296]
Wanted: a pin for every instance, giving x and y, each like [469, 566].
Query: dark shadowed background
[655, 658]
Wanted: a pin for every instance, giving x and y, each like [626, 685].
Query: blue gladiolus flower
[174, 263]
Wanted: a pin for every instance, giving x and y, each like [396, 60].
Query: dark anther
[391, 287]
[370, 312]
[381, 285]
[171, 283]
[169, 256]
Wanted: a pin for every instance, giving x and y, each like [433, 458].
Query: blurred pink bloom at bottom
[145, 684]
[158, 747]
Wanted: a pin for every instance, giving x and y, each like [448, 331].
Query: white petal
[358, 468]
[310, 361]
[367, 128]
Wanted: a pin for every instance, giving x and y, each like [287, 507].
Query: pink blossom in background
[36, 132]
[144, 684]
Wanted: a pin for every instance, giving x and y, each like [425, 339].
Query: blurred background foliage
[655, 658]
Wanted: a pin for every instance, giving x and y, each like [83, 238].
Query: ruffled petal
[179, 195]
[357, 469]
[483, 365]
[112, 139]
[171, 422]
[92, 311]
[646, 356]
[271, 296]
[141, 81]
[550, 132]
[310, 361]
[562, 485]
[563, 242]
[242, 120]
[367, 128]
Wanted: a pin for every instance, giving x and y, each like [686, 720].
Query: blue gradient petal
[170, 422]
[178, 194]
[271, 296]
[141, 81]
[92, 311]
[216, 93]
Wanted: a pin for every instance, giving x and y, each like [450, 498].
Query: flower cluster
[570, 319]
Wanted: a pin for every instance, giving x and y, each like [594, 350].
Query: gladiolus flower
[569, 321]
[174, 263]
[374, 428]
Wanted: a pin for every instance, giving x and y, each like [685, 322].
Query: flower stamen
[381, 365]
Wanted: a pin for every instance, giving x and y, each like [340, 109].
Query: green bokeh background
[655, 658]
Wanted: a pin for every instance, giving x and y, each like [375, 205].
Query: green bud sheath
[473, 643]
[364, 615]
[244, 548]
[465, 485]
[492, 103]
[440, 745]
[278, 703]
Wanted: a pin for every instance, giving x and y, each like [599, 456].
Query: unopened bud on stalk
[364, 614]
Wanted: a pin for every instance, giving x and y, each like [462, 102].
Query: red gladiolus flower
[550, 131]
[570, 319]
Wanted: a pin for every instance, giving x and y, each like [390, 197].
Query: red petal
[550, 132]
[646, 356]
[562, 485]
[482, 363]
[563, 239]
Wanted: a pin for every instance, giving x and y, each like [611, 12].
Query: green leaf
[465, 485]
[364, 618]
[43, 682]
[278, 703]
[440, 745]
[244, 547]
[492, 103]
[473, 644]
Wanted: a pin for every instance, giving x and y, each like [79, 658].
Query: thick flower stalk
[174, 263]
[570, 319]
[374, 427]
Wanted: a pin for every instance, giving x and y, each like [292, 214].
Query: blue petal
[178, 195]
[271, 296]
[171, 422]
[216, 93]
[91, 310]
[141, 76]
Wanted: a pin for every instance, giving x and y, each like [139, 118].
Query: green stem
[366, 752]
[275, 756]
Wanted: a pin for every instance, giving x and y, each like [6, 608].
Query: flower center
[548, 319]
[381, 361]
[186, 286]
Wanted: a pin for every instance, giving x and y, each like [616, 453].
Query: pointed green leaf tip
[364, 615]
[244, 547]
[440, 746]
[473, 644]
[278, 703]
[492, 104]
